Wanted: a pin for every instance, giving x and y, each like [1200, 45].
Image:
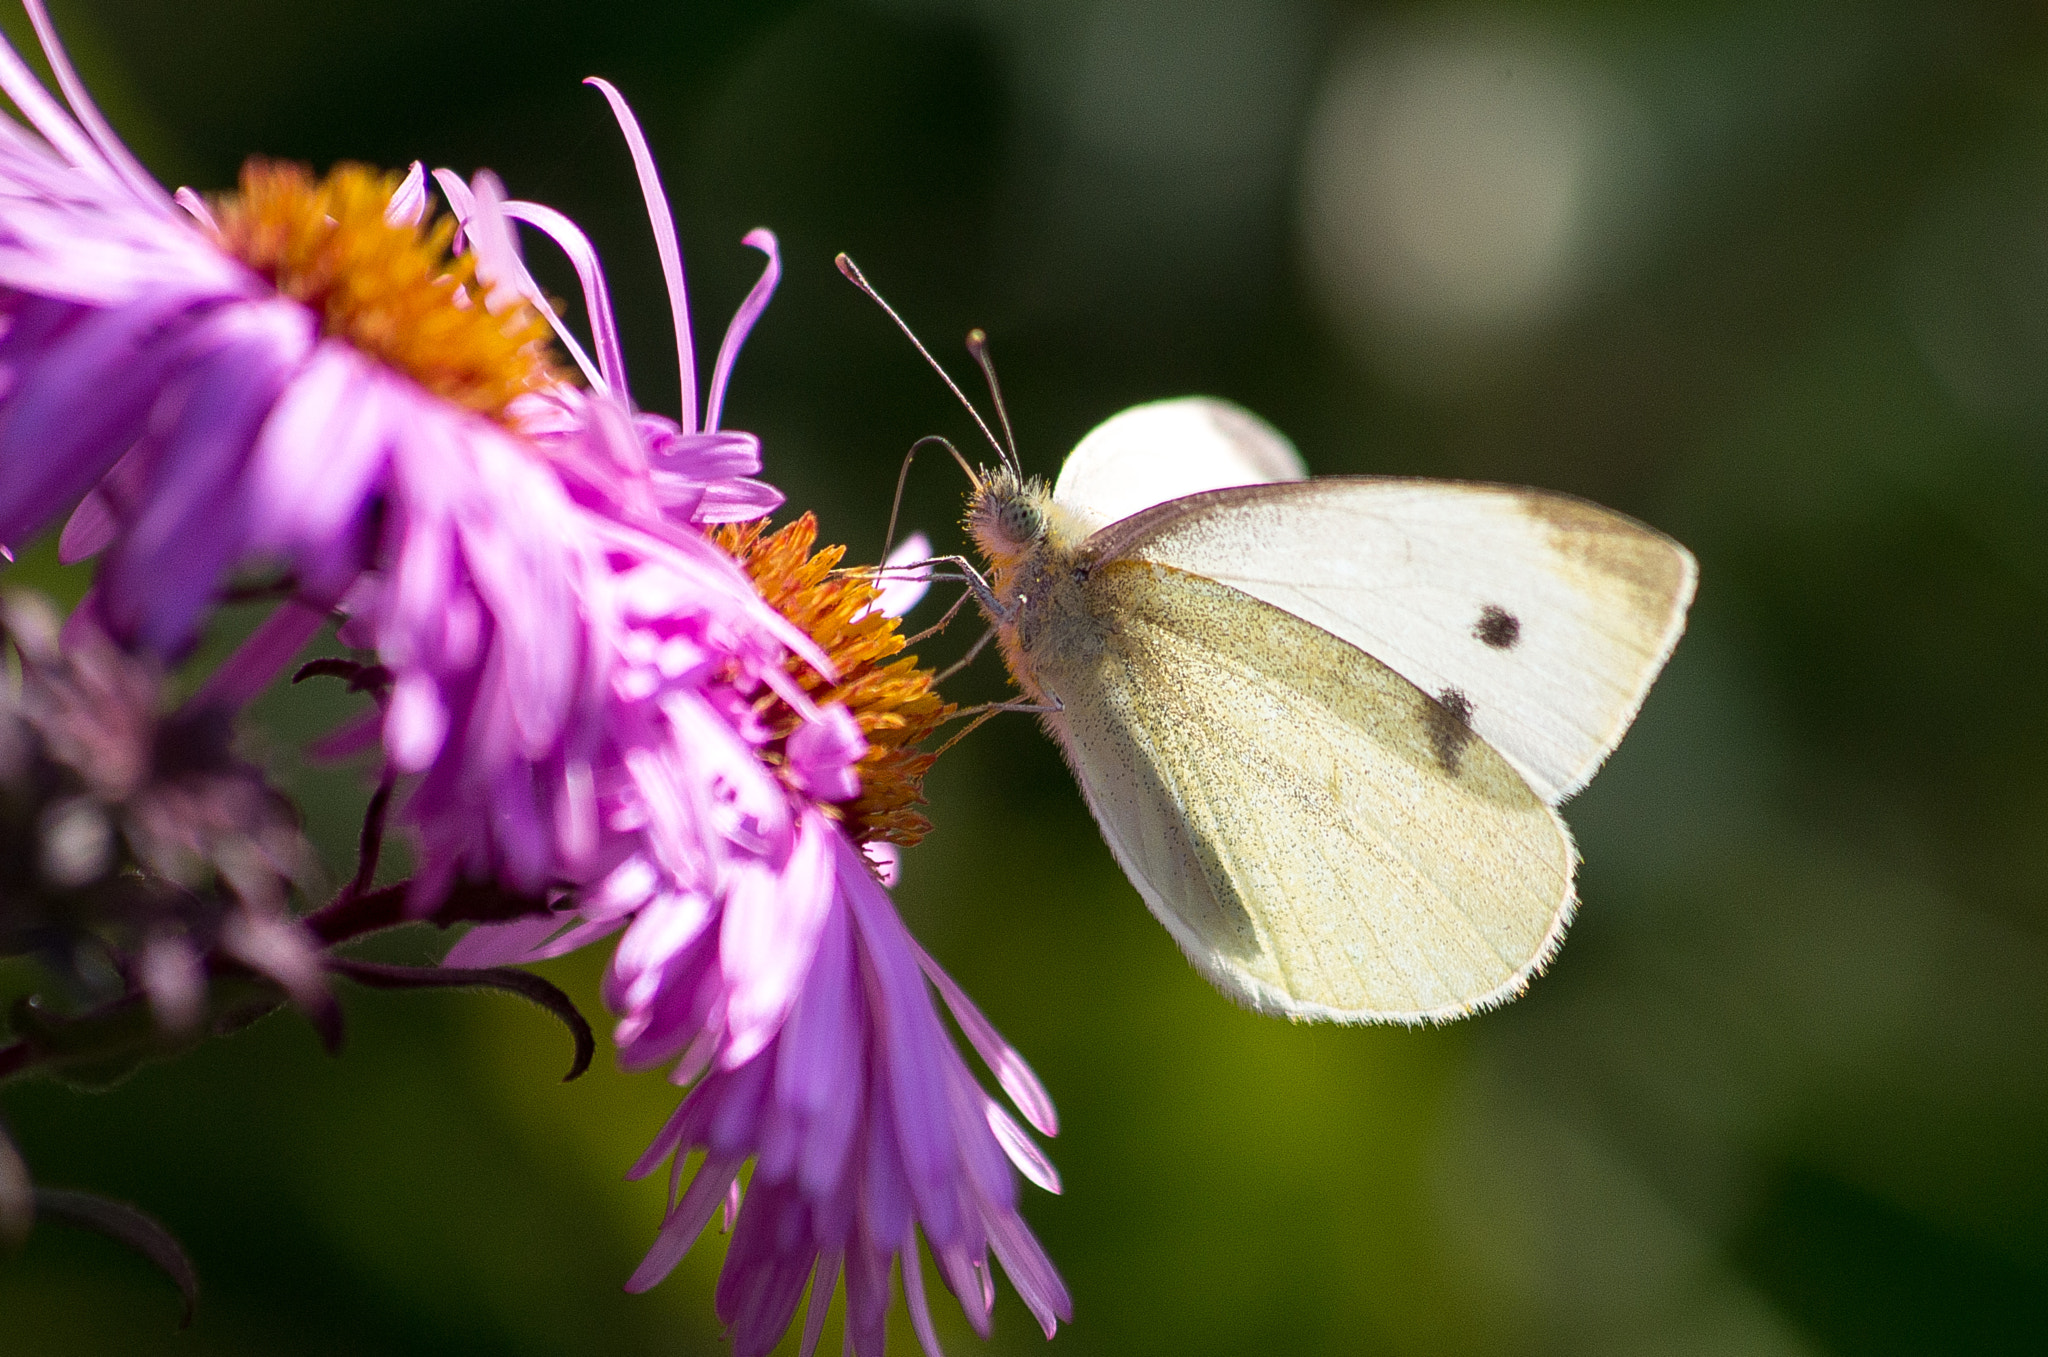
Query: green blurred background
[1773, 277]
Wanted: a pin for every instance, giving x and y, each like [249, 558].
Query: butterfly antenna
[903, 478]
[977, 344]
[859, 280]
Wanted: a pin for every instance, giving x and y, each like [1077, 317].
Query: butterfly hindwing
[1321, 837]
[1165, 450]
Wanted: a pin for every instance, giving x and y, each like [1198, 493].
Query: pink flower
[696, 739]
[864, 1123]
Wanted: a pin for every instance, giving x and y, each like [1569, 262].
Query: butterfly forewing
[1323, 838]
[1541, 620]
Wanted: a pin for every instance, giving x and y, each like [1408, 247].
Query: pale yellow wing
[1544, 617]
[1322, 838]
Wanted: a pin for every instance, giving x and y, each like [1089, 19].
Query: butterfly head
[1008, 516]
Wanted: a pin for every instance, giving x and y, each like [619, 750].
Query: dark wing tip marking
[1498, 627]
[1450, 728]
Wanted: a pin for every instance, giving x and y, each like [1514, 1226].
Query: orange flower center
[891, 697]
[392, 291]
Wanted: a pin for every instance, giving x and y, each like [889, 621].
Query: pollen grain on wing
[391, 289]
[891, 697]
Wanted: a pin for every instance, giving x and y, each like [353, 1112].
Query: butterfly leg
[989, 710]
[972, 651]
[945, 621]
[984, 592]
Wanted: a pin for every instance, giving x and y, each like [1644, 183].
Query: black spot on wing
[1498, 627]
[1450, 728]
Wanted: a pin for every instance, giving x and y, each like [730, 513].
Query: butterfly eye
[1020, 521]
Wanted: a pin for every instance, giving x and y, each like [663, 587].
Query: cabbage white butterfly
[1325, 724]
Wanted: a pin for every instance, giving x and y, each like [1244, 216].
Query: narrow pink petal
[501, 944]
[822, 754]
[762, 239]
[88, 398]
[824, 1279]
[460, 200]
[1031, 1272]
[321, 455]
[819, 1060]
[904, 577]
[680, 1230]
[597, 301]
[99, 514]
[498, 265]
[665, 242]
[196, 208]
[49, 117]
[669, 1139]
[577, 938]
[696, 1057]
[867, 1297]
[347, 740]
[737, 500]
[966, 1276]
[913, 1297]
[409, 200]
[1016, 1143]
[260, 658]
[1002, 1059]
[90, 528]
[130, 170]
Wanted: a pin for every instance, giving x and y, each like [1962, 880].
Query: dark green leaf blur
[1772, 277]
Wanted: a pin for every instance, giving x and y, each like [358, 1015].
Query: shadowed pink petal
[686, 1221]
[1002, 1059]
[762, 1284]
[160, 578]
[913, 1297]
[501, 944]
[268, 649]
[349, 739]
[90, 528]
[824, 1277]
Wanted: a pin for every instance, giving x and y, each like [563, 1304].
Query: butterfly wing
[1541, 618]
[1165, 450]
[1321, 837]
